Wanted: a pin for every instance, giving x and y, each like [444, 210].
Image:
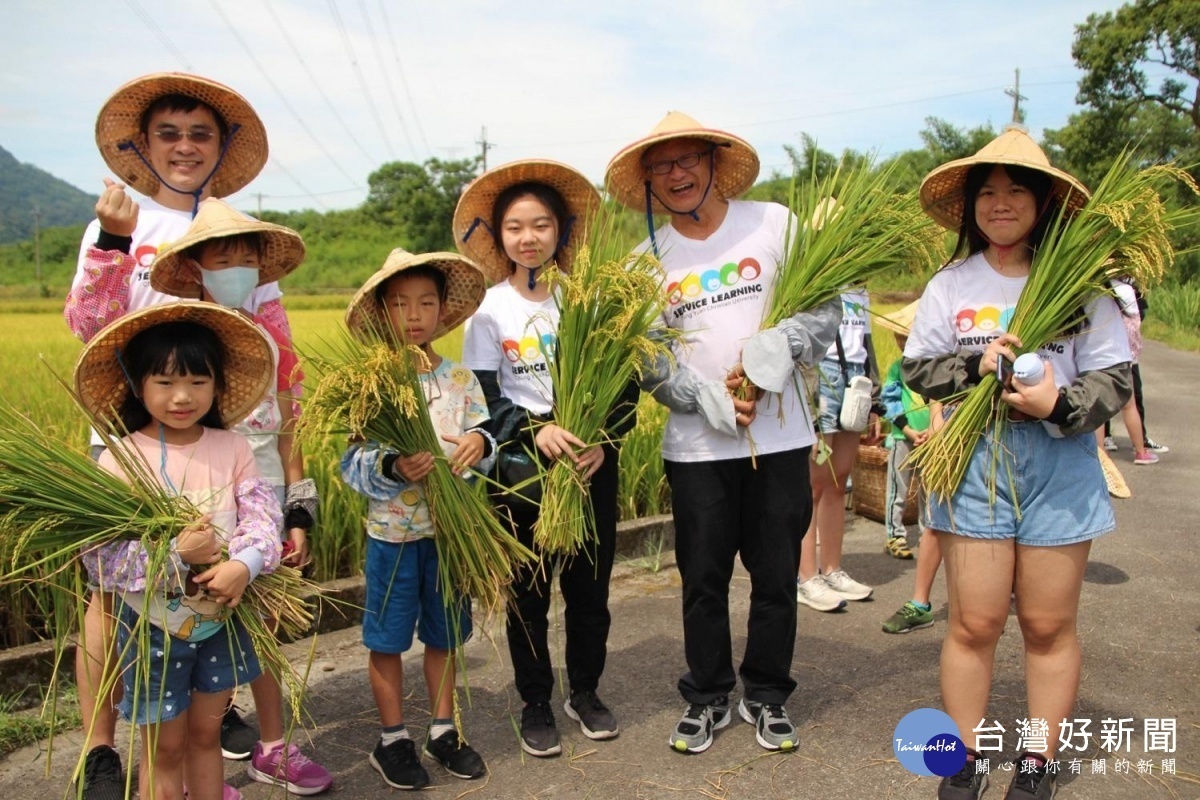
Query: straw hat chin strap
[129, 145]
[652, 195]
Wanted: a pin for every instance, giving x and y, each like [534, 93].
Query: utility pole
[259, 195]
[1018, 116]
[484, 146]
[37, 244]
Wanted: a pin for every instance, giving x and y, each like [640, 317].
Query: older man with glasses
[736, 457]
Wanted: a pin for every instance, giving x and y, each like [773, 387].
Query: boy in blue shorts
[420, 298]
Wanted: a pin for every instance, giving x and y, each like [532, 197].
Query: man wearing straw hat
[736, 458]
[177, 139]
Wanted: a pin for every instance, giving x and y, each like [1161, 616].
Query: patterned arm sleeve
[272, 314]
[103, 293]
[259, 520]
[362, 470]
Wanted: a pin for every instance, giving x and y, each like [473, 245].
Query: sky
[344, 87]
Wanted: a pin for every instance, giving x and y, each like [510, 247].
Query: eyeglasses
[174, 135]
[686, 161]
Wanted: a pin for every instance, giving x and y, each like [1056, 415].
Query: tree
[943, 142]
[419, 200]
[1116, 50]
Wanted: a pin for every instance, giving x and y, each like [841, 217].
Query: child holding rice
[514, 220]
[414, 300]
[178, 375]
[1042, 456]
[224, 258]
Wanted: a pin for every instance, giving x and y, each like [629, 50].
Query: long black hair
[548, 196]
[171, 348]
[971, 239]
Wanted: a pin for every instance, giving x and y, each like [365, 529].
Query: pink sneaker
[230, 793]
[1145, 457]
[288, 767]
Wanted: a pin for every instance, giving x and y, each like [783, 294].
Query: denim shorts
[178, 667]
[831, 389]
[1049, 492]
[404, 592]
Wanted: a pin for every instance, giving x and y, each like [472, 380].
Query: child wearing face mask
[222, 259]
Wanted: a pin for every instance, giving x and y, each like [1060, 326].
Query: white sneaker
[1109, 444]
[816, 594]
[847, 587]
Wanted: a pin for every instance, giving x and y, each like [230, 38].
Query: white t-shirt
[262, 427]
[855, 326]
[967, 305]
[514, 338]
[717, 292]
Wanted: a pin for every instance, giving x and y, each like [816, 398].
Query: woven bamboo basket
[870, 486]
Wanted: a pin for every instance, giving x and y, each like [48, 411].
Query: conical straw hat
[473, 216]
[465, 288]
[942, 189]
[901, 320]
[172, 273]
[736, 162]
[118, 130]
[100, 380]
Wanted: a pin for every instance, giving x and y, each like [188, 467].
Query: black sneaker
[966, 785]
[456, 756]
[1032, 781]
[237, 738]
[399, 765]
[539, 737]
[594, 718]
[102, 778]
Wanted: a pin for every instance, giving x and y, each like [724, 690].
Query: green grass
[19, 728]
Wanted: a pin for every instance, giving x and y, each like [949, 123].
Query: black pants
[583, 580]
[721, 509]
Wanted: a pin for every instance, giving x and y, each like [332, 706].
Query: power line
[158, 32]
[307, 192]
[279, 93]
[383, 70]
[313, 79]
[387, 26]
[362, 81]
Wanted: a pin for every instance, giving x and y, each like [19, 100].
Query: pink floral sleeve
[259, 520]
[103, 295]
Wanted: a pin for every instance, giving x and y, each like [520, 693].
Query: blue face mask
[231, 286]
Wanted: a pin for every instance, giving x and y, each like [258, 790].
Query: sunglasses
[174, 136]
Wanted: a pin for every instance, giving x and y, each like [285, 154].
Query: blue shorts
[831, 388]
[177, 667]
[1057, 483]
[404, 593]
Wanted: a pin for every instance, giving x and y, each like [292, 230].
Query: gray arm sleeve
[810, 334]
[939, 377]
[682, 390]
[1096, 396]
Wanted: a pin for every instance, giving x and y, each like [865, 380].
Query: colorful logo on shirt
[713, 280]
[852, 310]
[144, 254]
[530, 348]
[988, 319]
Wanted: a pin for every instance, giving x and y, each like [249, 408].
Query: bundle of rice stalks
[372, 390]
[851, 226]
[56, 503]
[607, 305]
[1122, 231]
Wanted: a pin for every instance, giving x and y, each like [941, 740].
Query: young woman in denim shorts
[1000, 202]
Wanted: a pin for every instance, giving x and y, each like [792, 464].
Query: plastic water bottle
[1029, 369]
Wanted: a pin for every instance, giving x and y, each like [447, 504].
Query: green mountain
[24, 188]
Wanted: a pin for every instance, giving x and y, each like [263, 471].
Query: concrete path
[1140, 618]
